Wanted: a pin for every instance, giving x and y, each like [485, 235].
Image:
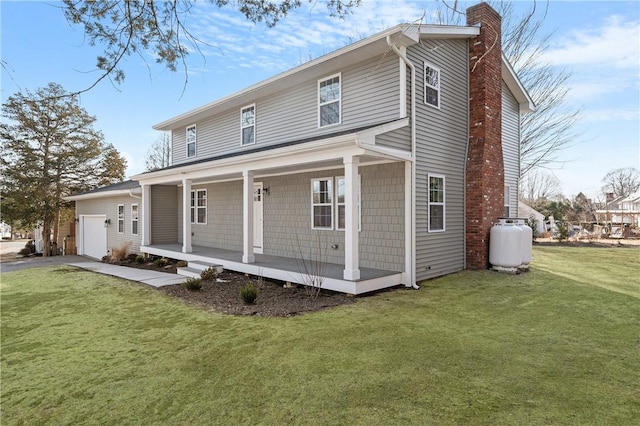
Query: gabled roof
[120, 188]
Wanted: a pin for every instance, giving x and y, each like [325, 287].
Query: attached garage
[108, 218]
[93, 236]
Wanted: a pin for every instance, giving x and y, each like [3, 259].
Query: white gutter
[410, 253]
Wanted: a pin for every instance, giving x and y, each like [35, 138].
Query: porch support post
[351, 251]
[186, 216]
[146, 215]
[247, 217]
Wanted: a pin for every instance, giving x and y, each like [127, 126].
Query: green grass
[558, 345]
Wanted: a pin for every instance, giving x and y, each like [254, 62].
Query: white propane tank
[505, 245]
[527, 243]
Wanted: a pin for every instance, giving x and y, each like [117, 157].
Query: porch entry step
[189, 272]
[203, 266]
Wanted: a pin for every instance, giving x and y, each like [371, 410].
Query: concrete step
[189, 272]
[202, 266]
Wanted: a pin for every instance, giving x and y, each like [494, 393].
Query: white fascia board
[517, 88]
[101, 194]
[448, 31]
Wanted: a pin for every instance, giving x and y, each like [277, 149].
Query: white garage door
[93, 236]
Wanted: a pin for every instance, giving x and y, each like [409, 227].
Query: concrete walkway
[152, 278]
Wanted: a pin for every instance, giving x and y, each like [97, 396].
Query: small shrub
[181, 264]
[160, 262]
[139, 258]
[563, 231]
[193, 284]
[209, 274]
[249, 293]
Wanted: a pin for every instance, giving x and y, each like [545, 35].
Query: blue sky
[599, 42]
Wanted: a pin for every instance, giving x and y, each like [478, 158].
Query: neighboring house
[387, 160]
[621, 210]
[527, 212]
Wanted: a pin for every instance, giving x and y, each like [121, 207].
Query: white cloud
[615, 43]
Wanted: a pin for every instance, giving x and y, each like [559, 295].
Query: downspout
[139, 197]
[412, 238]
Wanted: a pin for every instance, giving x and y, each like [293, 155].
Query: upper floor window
[436, 203]
[431, 85]
[120, 218]
[329, 98]
[248, 125]
[134, 219]
[191, 141]
[199, 206]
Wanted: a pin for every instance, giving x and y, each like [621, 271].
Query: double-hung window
[191, 141]
[436, 203]
[431, 85]
[328, 203]
[329, 99]
[322, 203]
[120, 218]
[199, 206]
[134, 219]
[248, 125]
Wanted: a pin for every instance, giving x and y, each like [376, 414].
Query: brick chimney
[485, 167]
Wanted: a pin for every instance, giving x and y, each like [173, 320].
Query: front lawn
[558, 345]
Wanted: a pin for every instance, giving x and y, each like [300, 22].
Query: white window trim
[339, 75]
[332, 204]
[443, 203]
[194, 208]
[507, 200]
[255, 116]
[136, 219]
[359, 204]
[424, 70]
[119, 219]
[195, 141]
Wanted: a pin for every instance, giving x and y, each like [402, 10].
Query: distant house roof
[120, 188]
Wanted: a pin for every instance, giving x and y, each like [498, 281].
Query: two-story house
[386, 162]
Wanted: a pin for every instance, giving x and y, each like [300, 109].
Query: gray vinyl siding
[398, 139]
[164, 215]
[370, 95]
[442, 136]
[287, 218]
[511, 146]
[109, 206]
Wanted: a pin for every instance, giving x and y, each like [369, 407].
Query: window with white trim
[340, 205]
[431, 85]
[322, 203]
[134, 219]
[248, 125]
[199, 206]
[191, 141]
[329, 99]
[436, 199]
[120, 219]
[507, 202]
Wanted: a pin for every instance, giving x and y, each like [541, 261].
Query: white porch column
[186, 216]
[409, 238]
[351, 251]
[146, 215]
[247, 217]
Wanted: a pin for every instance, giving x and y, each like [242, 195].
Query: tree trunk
[46, 236]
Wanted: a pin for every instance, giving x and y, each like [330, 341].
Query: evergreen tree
[50, 150]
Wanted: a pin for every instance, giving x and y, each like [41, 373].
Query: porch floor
[281, 268]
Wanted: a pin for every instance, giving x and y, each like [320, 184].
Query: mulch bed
[223, 295]
[274, 299]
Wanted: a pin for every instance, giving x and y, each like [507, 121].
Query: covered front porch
[293, 270]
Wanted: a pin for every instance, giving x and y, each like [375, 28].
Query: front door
[257, 217]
